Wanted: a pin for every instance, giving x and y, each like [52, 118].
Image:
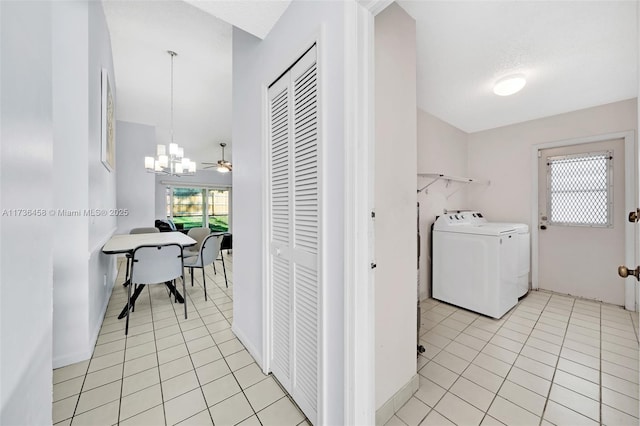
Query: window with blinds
[580, 189]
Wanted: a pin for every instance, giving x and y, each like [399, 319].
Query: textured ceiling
[575, 54]
[142, 32]
[256, 17]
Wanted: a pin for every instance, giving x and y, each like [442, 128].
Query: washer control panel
[474, 217]
[452, 219]
[459, 218]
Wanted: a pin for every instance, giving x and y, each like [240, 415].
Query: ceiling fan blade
[209, 163]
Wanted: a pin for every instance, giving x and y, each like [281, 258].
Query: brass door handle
[624, 272]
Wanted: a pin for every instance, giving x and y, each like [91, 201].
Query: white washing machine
[524, 246]
[475, 265]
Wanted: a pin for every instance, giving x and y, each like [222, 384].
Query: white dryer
[524, 246]
[474, 265]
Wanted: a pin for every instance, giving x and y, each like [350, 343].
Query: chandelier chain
[172, 161]
[172, 53]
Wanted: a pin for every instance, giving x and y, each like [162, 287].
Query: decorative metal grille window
[580, 189]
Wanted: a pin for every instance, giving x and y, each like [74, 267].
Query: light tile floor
[169, 370]
[552, 359]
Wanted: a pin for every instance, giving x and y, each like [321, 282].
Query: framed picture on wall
[108, 124]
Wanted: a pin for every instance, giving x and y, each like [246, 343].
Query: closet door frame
[267, 292]
[359, 369]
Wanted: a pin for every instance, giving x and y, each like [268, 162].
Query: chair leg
[204, 281]
[184, 292]
[225, 272]
[214, 268]
[191, 272]
[126, 275]
[133, 305]
[126, 327]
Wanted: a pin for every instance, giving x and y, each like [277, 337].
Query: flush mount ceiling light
[222, 166]
[172, 162]
[509, 85]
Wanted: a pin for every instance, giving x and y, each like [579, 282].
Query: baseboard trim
[69, 359]
[389, 408]
[247, 344]
[93, 338]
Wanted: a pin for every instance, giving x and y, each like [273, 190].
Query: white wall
[70, 42]
[26, 182]
[257, 63]
[503, 155]
[442, 148]
[135, 186]
[83, 276]
[102, 184]
[395, 202]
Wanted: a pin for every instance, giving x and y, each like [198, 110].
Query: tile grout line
[155, 344]
[509, 316]
[189, 351]
[125, 338]
[223, 358]
[553, 376]
[86, 373]
[486, 413]
[459, 375]
[432, 359]
[124, 357]
[470, 363]
[122, 396]
[600, 370]
[157, 358]
[242, 390]
[84, 379]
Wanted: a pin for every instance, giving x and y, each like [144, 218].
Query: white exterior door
[581, 220]
[294, 232]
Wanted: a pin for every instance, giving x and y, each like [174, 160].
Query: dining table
[127, 243]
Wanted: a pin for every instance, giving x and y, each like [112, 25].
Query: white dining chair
[198, 234]
[207, 255]
[147, 230]
[225, 244]
[156, 264]
[142, 230]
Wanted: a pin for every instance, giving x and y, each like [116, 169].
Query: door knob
[633, 216]
[624, 272]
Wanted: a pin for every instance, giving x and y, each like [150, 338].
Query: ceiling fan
[222, 166]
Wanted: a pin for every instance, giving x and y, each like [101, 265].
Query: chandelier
[172, 161]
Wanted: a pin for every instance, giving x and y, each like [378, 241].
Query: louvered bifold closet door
[306, 210]
[281, 227]
[295, 232]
